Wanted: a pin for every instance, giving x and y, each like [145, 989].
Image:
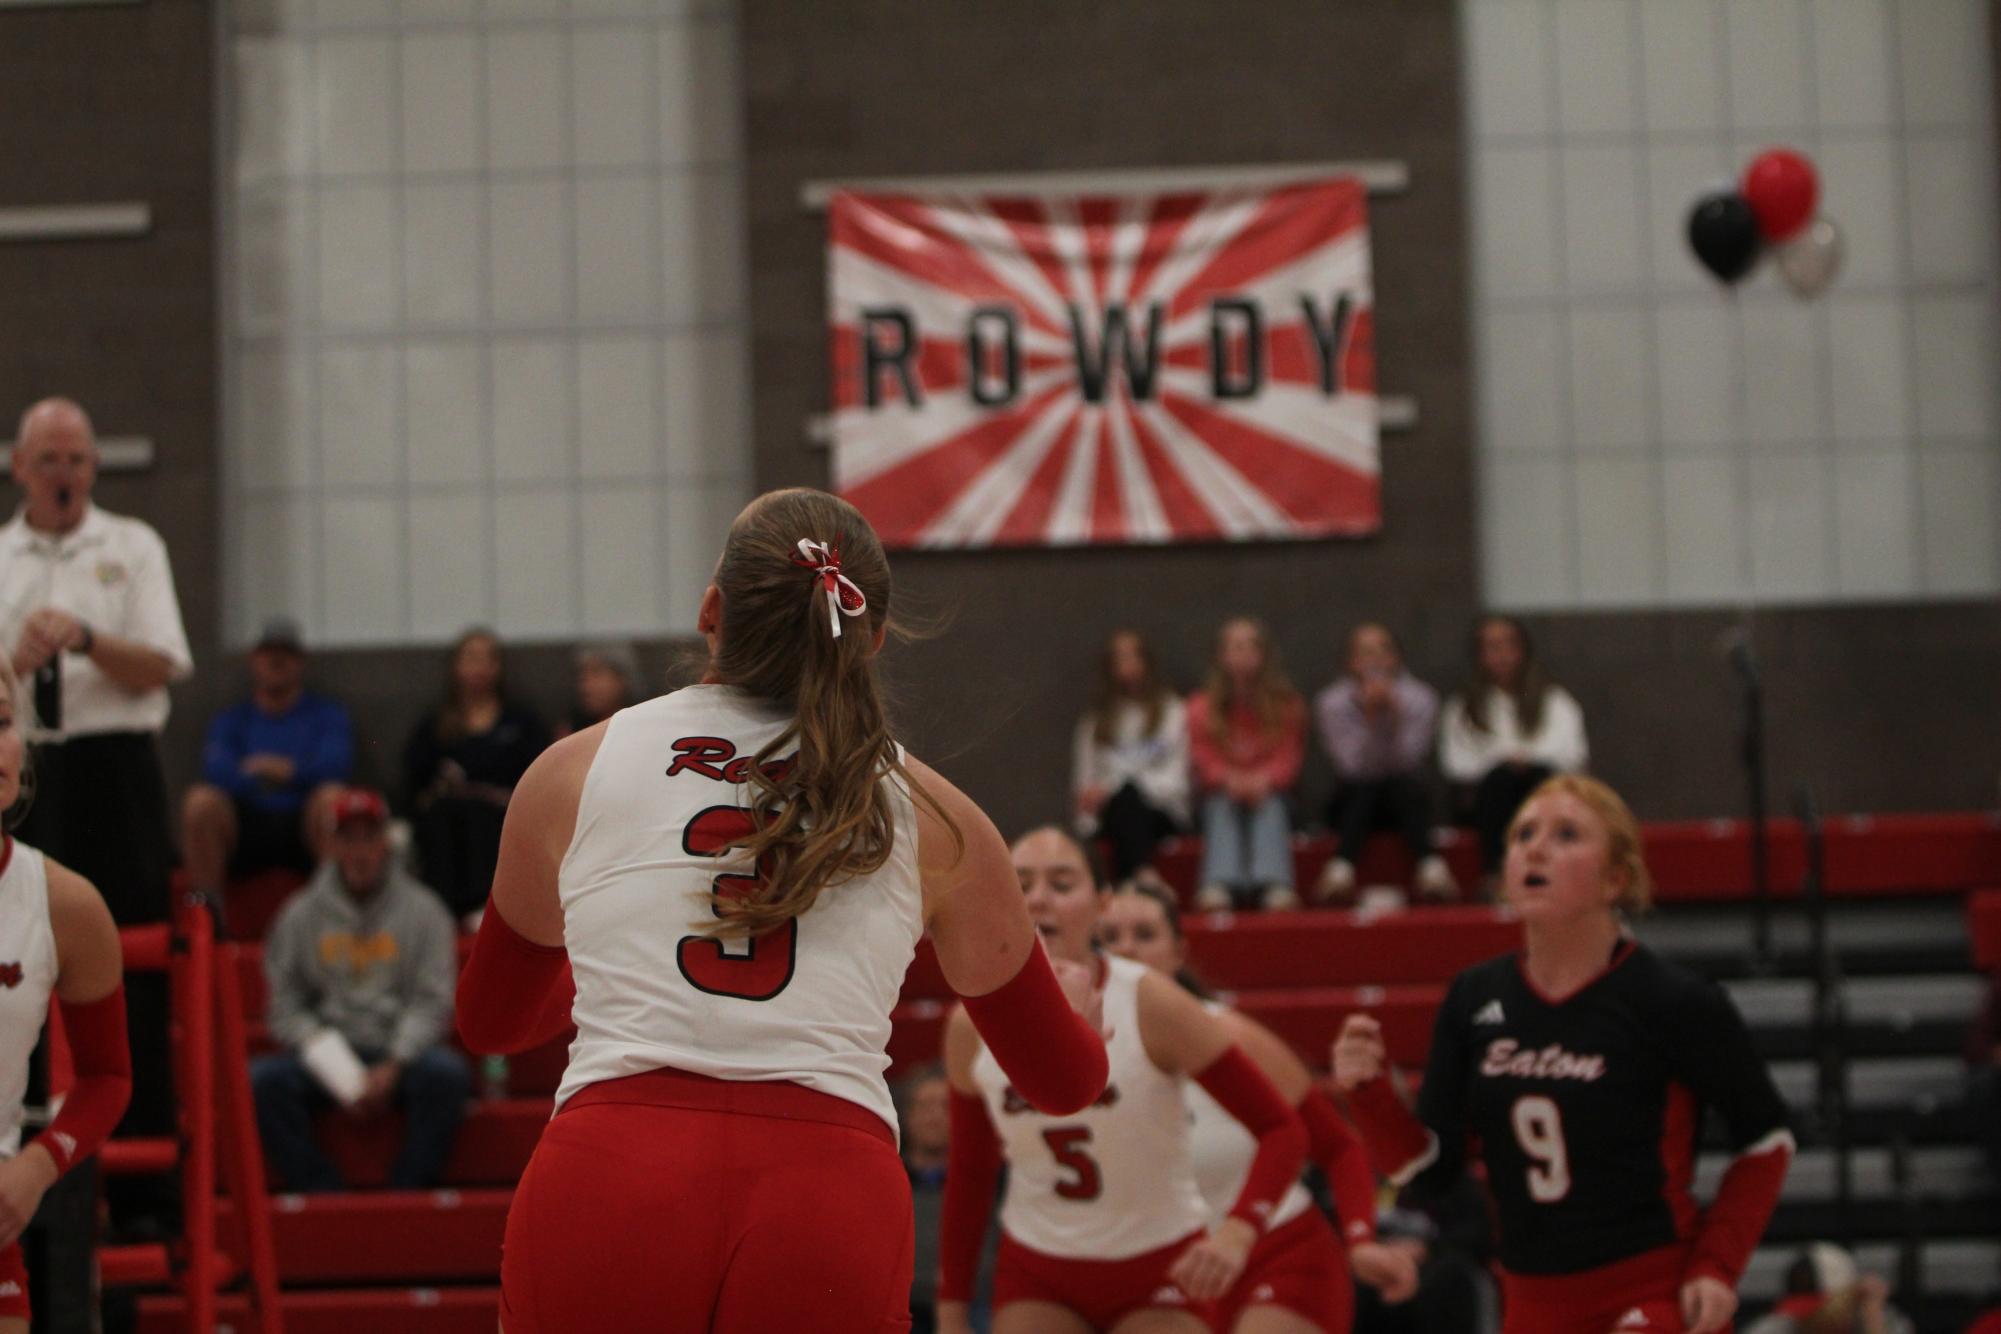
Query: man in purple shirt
[1378, 724]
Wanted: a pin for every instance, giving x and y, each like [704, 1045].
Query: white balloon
[1809, 261]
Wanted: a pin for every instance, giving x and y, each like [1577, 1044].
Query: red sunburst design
[1105, 369]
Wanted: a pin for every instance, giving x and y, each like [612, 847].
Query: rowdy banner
[1105, 369]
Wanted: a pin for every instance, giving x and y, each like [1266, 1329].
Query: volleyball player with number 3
[735, 876]
[1582, 1067]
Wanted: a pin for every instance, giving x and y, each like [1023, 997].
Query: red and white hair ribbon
[843, 597]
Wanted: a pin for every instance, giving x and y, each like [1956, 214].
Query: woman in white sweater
[1129, 769]
[1507, 731]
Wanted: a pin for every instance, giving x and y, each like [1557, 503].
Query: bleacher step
[1943, 1172]
[1963, 1267]
[392, 1236]
[467, 1310]
[1879, 1083]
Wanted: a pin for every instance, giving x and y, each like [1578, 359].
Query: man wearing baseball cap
[271, 765]
[360, 966]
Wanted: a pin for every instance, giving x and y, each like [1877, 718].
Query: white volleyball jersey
[1222, 1150]
[27, 977]
[1114, 1180]
[808, 1003]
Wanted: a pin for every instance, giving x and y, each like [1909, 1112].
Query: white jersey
[1114, 1180]
[1222, 1149]
[27, 977]
[809, 1003]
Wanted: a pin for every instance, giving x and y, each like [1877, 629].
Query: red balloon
[1782, 189]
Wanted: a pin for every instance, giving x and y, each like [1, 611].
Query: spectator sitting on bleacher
[1246, 737]
[460, 766]
[1450, 1235]
[1506, 732]
[1827, 1293]
[1983, 1059]
[607, 681]
[361, 966]
[1378, 723]
[1129, 759]
[271, 766]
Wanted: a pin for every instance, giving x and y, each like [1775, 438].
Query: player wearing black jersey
[1580, 1068]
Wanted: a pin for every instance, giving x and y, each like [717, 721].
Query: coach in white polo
[87, 609]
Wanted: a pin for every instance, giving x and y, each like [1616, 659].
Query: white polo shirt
[111, 572]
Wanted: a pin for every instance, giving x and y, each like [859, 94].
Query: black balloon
[1723, 233]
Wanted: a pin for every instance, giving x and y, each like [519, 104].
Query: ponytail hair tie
[843, 597]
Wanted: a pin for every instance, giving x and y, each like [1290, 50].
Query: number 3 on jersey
[757, 969]
[1539, 1130]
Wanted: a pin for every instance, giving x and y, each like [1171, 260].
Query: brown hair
[1153, 693]
[1624, 850]
[824, 816]
[1086, 854]
[452, 717]
[1272, 696]
[1532, 687]
[1170, 909]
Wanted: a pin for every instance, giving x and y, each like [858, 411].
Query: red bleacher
[1300, 973]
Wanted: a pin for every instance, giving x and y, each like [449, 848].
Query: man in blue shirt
[272, 766]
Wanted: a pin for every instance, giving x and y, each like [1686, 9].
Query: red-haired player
[1104, 1226]
[56, 938]
[738, 874]
[1581, 1067]
[1296, 1280]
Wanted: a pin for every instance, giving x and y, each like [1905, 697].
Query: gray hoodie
[381, 972]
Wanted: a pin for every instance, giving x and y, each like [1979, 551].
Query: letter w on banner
[1105, 369]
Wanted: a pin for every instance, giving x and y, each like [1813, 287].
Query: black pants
[1449, 1300]
[1134, 828]
[100, 808]
[458, 844]
[1496, 799]
[1398, 802]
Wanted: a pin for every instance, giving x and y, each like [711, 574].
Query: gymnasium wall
[1883, 704]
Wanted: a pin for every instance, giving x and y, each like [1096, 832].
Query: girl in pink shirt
[1246, 738]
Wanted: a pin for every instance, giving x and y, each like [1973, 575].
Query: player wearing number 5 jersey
[1582, 1067]
[1104, 1226]
[736, 876]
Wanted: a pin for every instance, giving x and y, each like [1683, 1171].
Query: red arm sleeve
[1399, 1144]
[1744, 1202]
[1344, 1162]
[96, 1033]
[1233, 1081]
[514, 994]
[1051, 1056]
[971, 1173]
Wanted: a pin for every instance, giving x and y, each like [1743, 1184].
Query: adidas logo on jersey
[1490, 1013]
[1635, 1318]
[10, 1289]
[1169, 1296]
[67, 1141]
[1264, 1292]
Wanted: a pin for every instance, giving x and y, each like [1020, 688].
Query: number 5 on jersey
[1068, 1145]
[756, 969]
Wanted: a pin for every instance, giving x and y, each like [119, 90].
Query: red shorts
[1100, 1292]
[672, 1201]
[13, 1284]
[1640, 1295]
[1302, 1267]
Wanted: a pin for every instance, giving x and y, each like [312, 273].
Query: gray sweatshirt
[381, 972]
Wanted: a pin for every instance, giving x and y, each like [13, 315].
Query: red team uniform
[1585, 1112]
[745, 1077]
[1299, 1263]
